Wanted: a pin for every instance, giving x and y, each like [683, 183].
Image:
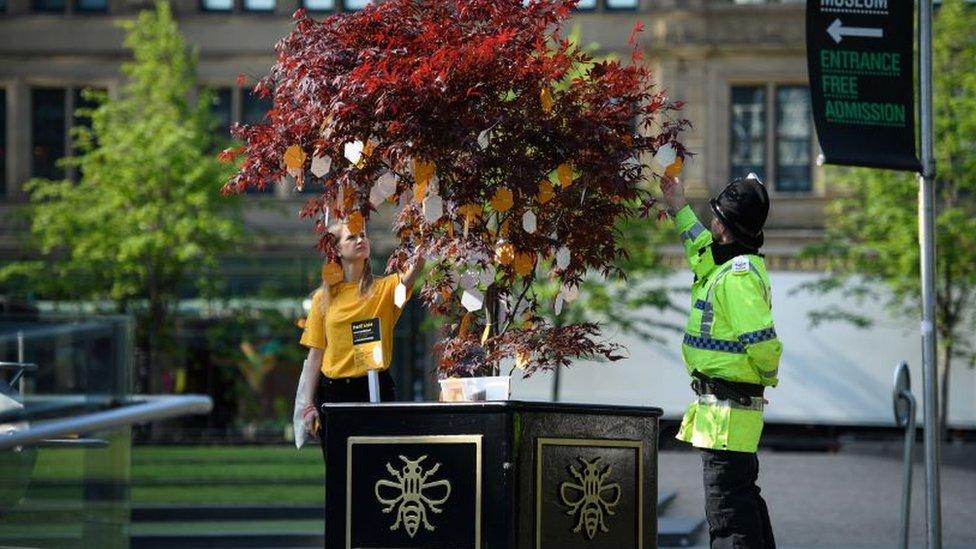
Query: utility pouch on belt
[725, 390]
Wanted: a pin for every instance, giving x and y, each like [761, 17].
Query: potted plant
[510, 153]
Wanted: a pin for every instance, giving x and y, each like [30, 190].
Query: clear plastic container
[452, 390]
[486, 388]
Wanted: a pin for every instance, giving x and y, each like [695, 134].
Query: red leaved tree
[506, 167]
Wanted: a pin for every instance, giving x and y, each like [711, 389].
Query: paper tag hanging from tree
[502, 200]
[472, 300]
[321, 165]
[529, 222]
[294, 160]
[484, 139]
[332, 273]
[353, 151]
[562, 257]
[355, 223]
[400, 295]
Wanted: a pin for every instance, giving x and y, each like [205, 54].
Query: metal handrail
[19, 369]
[28, 366]
[55, 330]
[152, 408]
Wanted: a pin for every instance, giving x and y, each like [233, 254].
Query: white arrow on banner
[838, 31]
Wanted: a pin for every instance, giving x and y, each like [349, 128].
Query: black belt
[724, 389]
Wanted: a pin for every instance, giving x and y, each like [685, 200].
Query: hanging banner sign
[862, 81]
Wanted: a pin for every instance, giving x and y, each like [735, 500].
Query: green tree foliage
[871, 246]
[145, 214]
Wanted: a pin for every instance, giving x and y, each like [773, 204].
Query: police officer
[731, 350]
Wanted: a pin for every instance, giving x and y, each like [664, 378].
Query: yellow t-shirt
[356, 332]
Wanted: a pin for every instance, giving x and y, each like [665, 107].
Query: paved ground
[847, 499]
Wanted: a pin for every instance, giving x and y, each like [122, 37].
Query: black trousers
[737, 514]
[351, 389]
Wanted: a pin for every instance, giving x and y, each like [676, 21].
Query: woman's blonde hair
[365, 282]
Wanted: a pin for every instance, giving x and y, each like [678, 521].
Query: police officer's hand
[674, 193]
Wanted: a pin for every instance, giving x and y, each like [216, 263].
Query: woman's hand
[309, 415]
[413, 272]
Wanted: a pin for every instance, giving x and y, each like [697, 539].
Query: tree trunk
[555, 384]
[946, 360]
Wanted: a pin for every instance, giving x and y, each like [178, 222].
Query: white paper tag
[472, 300]
[433, 208]
[665, 156]
[387, 184]
[484, 139]
[529, 222]
[376, 196]
[378, 355]
[353, 151]
[321, 165]
[400, 295]
[562, 257]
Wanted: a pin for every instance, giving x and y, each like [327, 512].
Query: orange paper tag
[545, 191]
[502, 201]
[545, 97]
[524, 263]
[465, 325]
[332, 273]
[504, 253]
[422, 171]
[565, 174]
[355, 223]
[675, 168]
[294, 157]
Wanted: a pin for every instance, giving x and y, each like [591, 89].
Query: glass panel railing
[65, 438]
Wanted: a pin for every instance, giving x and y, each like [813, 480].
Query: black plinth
[490, 475]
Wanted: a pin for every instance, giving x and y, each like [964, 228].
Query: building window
[47, 6]
[266, 6]
[586, 5]
[91, 6]
[222, 110]
[3, 6]
[354, 5]
[777, 148]
[3, 142]
[217, 5]
[319, 5]
[254, 108]
[793, 138]
[748, 131]
[48, 132]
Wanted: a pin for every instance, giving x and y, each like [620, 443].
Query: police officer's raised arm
[694, 235]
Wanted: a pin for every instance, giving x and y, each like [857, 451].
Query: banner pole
[926, 206]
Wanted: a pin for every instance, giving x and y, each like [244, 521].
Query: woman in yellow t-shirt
[349, 329]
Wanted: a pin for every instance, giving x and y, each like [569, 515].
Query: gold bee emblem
[590, 497]
[412, 494]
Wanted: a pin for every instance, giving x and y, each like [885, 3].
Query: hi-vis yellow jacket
[730, 336]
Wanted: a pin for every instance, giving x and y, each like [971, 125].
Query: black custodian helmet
[743, 207]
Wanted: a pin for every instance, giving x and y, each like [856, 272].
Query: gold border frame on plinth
[411, 439]
[590, 442]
